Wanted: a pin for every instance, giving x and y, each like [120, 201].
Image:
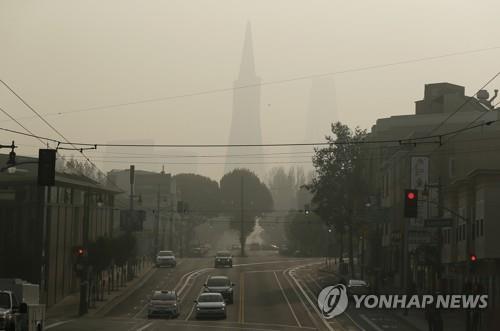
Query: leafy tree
[337, 187]
[257, 199]
[200, 192]
[307, 233]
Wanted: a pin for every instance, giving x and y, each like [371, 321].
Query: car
[164, 303]
[236, 247]
[222, 285]
[165, 258]
[196, 251]
[358, 287]
[210, 305]
[223, 259]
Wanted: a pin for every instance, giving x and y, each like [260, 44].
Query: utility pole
[242, 227]
[132, 177]
[157, 225]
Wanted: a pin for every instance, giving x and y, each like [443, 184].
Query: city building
[41, 226]
[456, 179]
[156, 194]
[245, 122]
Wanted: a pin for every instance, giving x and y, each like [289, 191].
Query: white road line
[267, 262]
[290, 272]
[261, 271]
[188, 275]
[298, 296]
[225, 327]
[314, 281]
[286, 299]
[194, 305]
[54, 325]
[373, 325]
[145, 326]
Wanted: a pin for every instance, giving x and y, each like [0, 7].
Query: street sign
[438, 222]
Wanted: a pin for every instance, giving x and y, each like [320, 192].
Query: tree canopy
[200, 192]
[257, 199]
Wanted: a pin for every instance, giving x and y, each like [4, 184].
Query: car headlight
[197, 308]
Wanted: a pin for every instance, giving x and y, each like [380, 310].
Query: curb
[120, 297]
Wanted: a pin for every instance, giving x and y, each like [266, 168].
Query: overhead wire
[276, 82]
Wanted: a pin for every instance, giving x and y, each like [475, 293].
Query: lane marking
[291, 274]
[298, 296]
[373, 325]
[194, 305]
[286, 299]
[241, 315]
[186, 278]
[261, 271]
[145, 326]
[315, 282]
[56, 324]
[225, 327]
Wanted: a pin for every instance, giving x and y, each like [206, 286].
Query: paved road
[271, 293]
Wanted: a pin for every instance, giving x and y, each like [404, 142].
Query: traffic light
[80, 254]
[46, 167]
[411, 203]
[307, 209]
[473, 263]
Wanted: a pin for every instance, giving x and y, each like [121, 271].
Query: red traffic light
[473, 258]
[80, 251]
[411, 195]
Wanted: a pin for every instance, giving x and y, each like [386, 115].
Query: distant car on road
[223, 259]
[222, 285]
[254, 246]
[165, 258]
[236, 247]
[164, 303]
[210, 305]
[358, 287]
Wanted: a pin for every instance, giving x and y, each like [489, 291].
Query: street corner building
[41, 226]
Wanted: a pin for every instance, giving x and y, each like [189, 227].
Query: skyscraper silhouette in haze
[245, 122]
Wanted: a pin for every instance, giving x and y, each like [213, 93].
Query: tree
[244, 197]
[200, 192]
[307, 234]
[337, 187]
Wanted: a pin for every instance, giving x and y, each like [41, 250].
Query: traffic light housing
[307, 209]
[46, 167]
[472, 263]
[411, 203]
[81, 259]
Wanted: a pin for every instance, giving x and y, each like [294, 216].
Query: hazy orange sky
[70, 55]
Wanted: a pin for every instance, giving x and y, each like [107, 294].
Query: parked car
[222, 285]
[165, 258]
[210, 305]
[223, 259]
[164, 303]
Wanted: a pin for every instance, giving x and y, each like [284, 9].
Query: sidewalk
[67, 308]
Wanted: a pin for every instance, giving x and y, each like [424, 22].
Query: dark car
[223, 259]
[222, 285]
[164, 303]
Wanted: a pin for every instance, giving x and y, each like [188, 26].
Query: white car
[357, 286]
[165, 258]
[210, 305]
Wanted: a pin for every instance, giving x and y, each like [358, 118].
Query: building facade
[41, 226]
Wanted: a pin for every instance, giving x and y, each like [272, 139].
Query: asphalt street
[271, 293]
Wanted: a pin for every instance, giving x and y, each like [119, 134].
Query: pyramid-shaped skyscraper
[245, 122]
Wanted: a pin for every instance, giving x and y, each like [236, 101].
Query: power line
[277, 82]
[464, 103]
[402, 141]
[52, 127]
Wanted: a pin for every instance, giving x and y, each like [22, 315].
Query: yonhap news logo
[333, 301]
